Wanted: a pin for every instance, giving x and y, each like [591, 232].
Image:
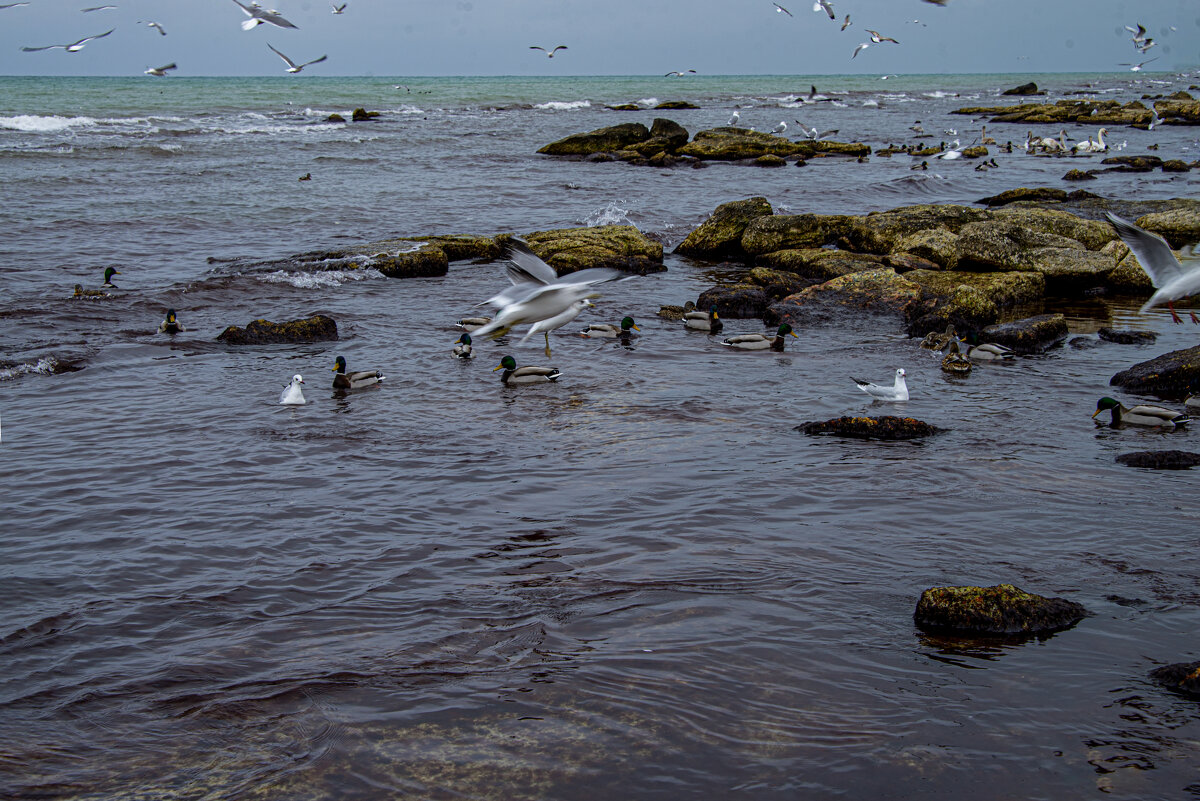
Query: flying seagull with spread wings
[73, 47]
[549, 53]
[259, 15]
[293, 67]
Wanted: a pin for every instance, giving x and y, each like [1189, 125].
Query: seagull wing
[35, 49]
[535, 47]
[783, 10]
[314, 61]
[170, 66]
[275, 18]
[862, 46]
[528, 262]
[846, 22]
[290, 63]
[244, 8]
[560, 47]
[1152, 251]
[90, 38]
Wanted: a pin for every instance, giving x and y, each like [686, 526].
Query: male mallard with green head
[109, 272]
[704, 321]
[170, 325]
[1141, 415]
[761, 341]
[524, 375]
[462, 347]
[625, 328]
[357, 380]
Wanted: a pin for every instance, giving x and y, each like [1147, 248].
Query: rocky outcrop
[885, 427]
[778, 283]
[318, 328]
[737, 301]
[1000, 610]
[362, 115]
[601, 140]
[880, 232]
[424, 262]
[1160, 460]
[732, 144]
[791, 231]
[1092, 234]
[971, 301]
[462, 247]
[1082, 112]
[876, 292]
[1000, 245]
[820, 264]
[1183, 677]
[1030, 335]
[1133, 163]
[1079, 175]
[1070, 269]
[1127, 337]
[1041, 194]
[720, 236]
[1030, 88]
[1180, 227]
[623, 247]
[938, 245]
[665, 137]
[1171, 375]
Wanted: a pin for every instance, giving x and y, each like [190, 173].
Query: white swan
[1090, 145]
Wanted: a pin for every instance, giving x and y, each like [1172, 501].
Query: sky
[614, 37]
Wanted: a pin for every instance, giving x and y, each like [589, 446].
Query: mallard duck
[935, 341]
[362, 378]
[955, 361]
[472, 323]
[760, 341]
[109, 272]
[990, 352]
[292, 395]
[704, 321]
[462, 347]
[898, 391]
[624, 328]
[524, 375]
[170, 325]
[80, 292]
[1141, 415]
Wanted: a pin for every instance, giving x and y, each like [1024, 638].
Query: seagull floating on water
[1170, 277]
[292, 395]
[549, 53]
[898, 391]
[259, 15]
[73, 47]
[161, 71]
[293, 67]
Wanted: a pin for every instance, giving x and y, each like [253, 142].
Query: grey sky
[650, 37]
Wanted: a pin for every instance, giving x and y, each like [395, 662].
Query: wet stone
[1160, 460]
[1127, 337]
[999, 610]
[1183, 677]
[886, 427]
[318, 328]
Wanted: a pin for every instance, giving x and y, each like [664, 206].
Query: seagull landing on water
[826, 6]
[1171, 278]
[549, 53]
[898, 391]
[339, 9]
[153, 25]
[161, 71]
[679, 73]
[781, 10]
[877, 38]
[73, 47]
[258, 15]
[293, 67]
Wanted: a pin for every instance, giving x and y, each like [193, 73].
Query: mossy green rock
[777, 283]
[601, 140]
[623, 247]
[1070, 269]
[1180, 227]
[820, 264]
[879, 232]
[424, 262]
[1092, 234]
[1183, 677]
[790, 231]
[1079, 175]
[461, 247]
[665, 136]
[1128, 278]
[999, 245]
[1002, 609]
[737, 301]
[1005, 289]
[1029, 335]
[1039, 194]
[318, 328]
[731, 144]
[1171, 375]
[825, 147]
[675, 104]
[974, 152]
[938, 245]
[877, 292]
[770, 160]
[884, 427]
[720, 236]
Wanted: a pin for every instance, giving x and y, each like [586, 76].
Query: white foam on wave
[44, 366]
[564, 105]
[321, 280]
[40, 124]
[280, 129]
[612, 214]
[940, 94]
[870, 103]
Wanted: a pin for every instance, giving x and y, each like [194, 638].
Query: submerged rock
[623, 247]
[720, 236]
[1127, 337]
[1030, 335]
[1002, 609]
[1160, 460]
[1173, 374]
[1183, 677]
[362, 115]
[1024, 89]
[1133, 163]
[318, 328]
[885, 427]
[1079, 175]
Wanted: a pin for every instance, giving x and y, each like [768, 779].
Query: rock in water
[1173, 374]
[263, 332]
[885, 427]
[1183, 677]
[1160, 460]
[1002, 609]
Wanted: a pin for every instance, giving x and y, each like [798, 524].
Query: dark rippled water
[638, 582]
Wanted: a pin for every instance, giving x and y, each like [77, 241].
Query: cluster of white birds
[1060, 146]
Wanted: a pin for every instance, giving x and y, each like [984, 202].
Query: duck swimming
[462, 347]
[935, 341]
[524, 375]
[80, 292]
[955, 361]
[357, 380]
[761, 341]
[472, 323]
[170, 325]
[1140, 415]
[624, 328]
[704, 321]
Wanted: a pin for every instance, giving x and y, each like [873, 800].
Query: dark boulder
[425, 262]
[737, 301]
[1030, 335]
[1041, 194]
[879, 292]
[1173, 374]
[720, 236]
[1176, 165]
[1024, 90]
[1133, 163]
[1079, 175]
[1127, 337]
[335, 117]
[1002, 609]
[318, 328]
[362, 115]
[886, 427]
[1183, 677]
[601, 140]
[675, 104]
[1160, 460]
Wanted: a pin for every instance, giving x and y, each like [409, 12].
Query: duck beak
[335, 368]
[1096, 413]
[498, 367]
[793, 333]
[635, 328]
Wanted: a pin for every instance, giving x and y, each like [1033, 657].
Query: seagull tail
[250, 23]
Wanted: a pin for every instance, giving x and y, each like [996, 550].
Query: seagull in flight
[679, 74]
[12, 5]
[876, 38]
[1136, 67]
[161, 71]
[73, 47]
[293, 67]
[154, 25]
[339, 9]
[861, 46]
[1172, 279]
[258, 15]
[846, 22]
[549, 53]
[96, 8]
[781, 10]
[812, 133]
[826, 6]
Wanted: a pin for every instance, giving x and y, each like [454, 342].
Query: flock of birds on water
[538, 297]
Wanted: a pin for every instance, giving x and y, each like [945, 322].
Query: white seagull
[813, 134]
[826, 6]
[781, 10]
[733, 118]
[73, 47]
[679, 73]
[1172, 279]
[876, 38]
[780, 128]
[96, 8]
[258, 15]
[549, 53]
[292, 395]
[861, 46]
[1137, 67]
[898, 391]
[556, 322]
[12, 5]
[161, 71]
[339, 9]
[846, 22]
[153, 25]
[293, 67]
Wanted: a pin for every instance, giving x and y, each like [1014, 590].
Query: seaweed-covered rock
[1176, 165]
[601, 140]
[317, 328]
[424, 262]
[1079, 175]
[879, 232]
[777, 283]
[1030, 335]
[974, 152]
[825, 147]
[967, 308]
[1024, 89]
[770, 160]
[999, 610]
[820, 264]
[1092, 234]
[672, 312]
[732, 144]
[1005, 289]
[1002, 245]
[675, 104]
[1128, 277]
[1179, 227]
[621, 246]
[720, 236]
[879, 292]
[1183, 677]
[665, 136]
[737, 301]
[461, 247]
[1040, 194]
[1173, 374]
[1069, 269]
[938, 245]
[885, 427]
[790, 231]
[1127, 337]
[335, 117]
[1160, 460]
[1133, 163]
[362, 115]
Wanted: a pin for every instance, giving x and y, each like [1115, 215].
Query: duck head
[339, 365]
[627, 323]
[507, 363]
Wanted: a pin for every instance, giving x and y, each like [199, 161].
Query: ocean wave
[319, 280]
[938, 94]
[37, 124]
[870, 103]
[47, 365]
[564, 105]
[612, 214]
